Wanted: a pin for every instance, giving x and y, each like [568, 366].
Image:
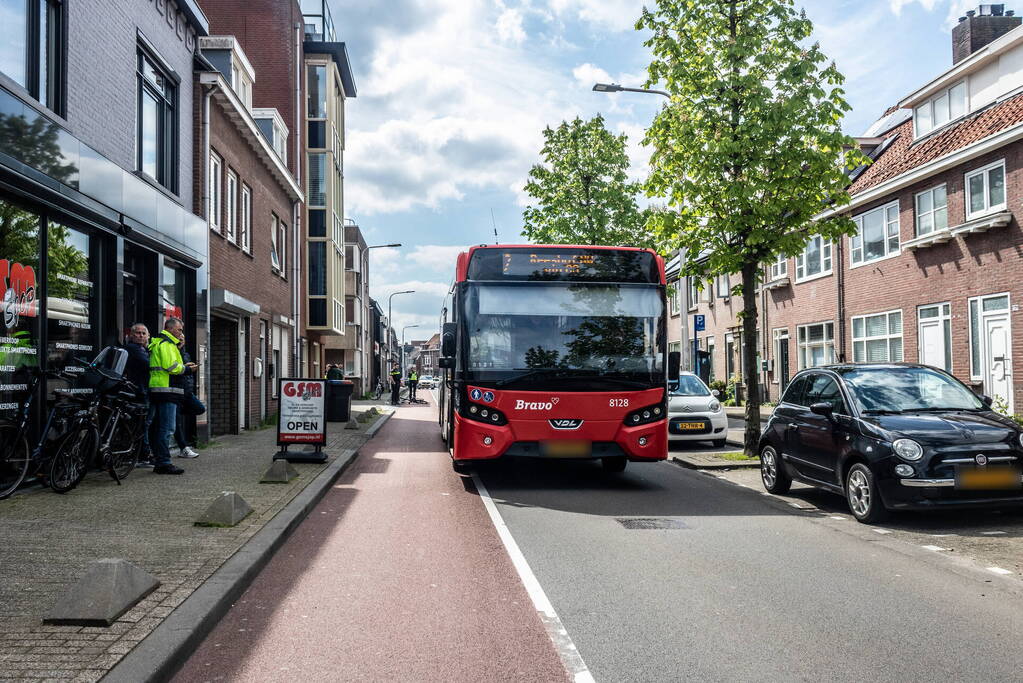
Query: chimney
[980, 27]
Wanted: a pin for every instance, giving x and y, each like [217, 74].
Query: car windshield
[690, 385]
[906, 390]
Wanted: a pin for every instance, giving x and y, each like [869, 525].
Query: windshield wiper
[877, 411]
[939, 410]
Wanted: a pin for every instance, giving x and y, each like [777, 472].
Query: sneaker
[144, 462]
[187, 452]
[167, 469]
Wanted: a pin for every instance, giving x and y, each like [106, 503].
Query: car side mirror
[674, 365]
[715, 393]
[446, 362]
[825, 409]
[987, 400]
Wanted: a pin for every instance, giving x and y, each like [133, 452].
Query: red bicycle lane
[398, 574]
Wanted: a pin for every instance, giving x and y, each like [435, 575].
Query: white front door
[998, 357]
[243, 360]
[932, 343]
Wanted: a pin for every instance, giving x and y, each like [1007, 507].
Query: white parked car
[694, 412]
[426, 382]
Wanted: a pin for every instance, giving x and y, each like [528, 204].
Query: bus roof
[462, 266]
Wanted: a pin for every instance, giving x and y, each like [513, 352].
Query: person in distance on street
[395, 383]
[164, 399]
[413, 382]
[334, 372]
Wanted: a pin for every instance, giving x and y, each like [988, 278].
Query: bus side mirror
[446, 362]
[674, 363]
[447, 340]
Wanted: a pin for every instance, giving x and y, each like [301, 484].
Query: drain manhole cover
[651, 523]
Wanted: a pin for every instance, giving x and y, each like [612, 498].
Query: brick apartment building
[253, 199]
[933, 274]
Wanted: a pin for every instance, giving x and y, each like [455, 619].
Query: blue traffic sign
[699, 323]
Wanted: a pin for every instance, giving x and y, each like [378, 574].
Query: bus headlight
[646, 415]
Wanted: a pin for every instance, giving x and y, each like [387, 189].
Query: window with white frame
[216, 201]
[724, 288]
[282, 246]
[948, 105]
[674, 347]
[980, 307]
[231, 219]
[877, 234]
[694, 292]
[708, 345]
[673, 300]
[245, 223]
[931, 211]
[877, 338]
[934, 335]
[780, 267]
[815, 261]
[275, 258]
[816, 344]
[780, 337]
[985, 189]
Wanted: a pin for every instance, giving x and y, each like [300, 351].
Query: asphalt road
[399, 574]
[745, 589]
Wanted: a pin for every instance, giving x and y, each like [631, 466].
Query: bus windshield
[573, 336]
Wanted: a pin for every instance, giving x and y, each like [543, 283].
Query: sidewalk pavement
[49, 539]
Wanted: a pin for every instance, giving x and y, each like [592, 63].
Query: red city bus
[556, 352]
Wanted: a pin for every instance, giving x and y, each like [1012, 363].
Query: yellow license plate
[567, 449]
[981, 478]
[689, 426]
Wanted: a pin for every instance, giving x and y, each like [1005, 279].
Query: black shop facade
[87, 248]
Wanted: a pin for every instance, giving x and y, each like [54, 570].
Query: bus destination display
[564, 264]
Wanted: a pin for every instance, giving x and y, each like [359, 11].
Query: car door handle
[791, 425]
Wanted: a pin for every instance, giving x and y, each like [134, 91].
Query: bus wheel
[614, 464]
[460, 466]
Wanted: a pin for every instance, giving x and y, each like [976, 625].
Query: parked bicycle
[16, 458]
[105, 433]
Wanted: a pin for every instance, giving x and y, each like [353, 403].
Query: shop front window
[172, 294]
[19, 306]
[70, 299]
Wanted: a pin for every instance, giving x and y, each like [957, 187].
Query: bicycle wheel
[71, 461]
[124, 449]
[14, 457]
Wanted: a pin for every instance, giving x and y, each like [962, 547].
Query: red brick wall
[249, 274]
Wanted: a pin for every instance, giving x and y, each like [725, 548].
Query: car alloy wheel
[860, 491]
[775, 479]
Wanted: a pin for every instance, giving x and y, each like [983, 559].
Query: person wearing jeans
[165, 362]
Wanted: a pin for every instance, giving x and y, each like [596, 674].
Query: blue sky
[453, 96]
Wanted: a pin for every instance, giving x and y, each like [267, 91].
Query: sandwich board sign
[301, 418]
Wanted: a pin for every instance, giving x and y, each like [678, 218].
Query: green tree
[581, 189]
[750, 148]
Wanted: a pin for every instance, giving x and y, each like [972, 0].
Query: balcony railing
[319, 25]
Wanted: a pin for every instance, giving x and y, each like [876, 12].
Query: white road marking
[998, 570]
[992, 533]
[570, 657]
[881, 531]
[933, 547]
[837, 517]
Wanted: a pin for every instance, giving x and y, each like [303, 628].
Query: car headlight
[714, 406]
[1021, 438]
[907, 449]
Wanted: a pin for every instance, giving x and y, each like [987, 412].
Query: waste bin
[339, 400]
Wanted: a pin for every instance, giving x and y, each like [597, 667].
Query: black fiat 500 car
[892, 437]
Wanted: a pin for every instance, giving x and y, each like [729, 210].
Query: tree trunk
[749, 357]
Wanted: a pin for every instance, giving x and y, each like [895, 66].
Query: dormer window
[948, 105]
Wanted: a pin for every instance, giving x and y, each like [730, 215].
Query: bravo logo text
[536, 405]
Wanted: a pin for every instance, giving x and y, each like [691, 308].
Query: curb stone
[375, 427]
[718, 465]
[162, 652]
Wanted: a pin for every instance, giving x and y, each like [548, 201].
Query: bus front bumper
[536, 438]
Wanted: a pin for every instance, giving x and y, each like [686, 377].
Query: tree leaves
[581, 189]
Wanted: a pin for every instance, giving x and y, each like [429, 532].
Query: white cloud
[509, 27]
[436, 257]
[613, 15]
[956, 8]
[421, 308]
[441, 116]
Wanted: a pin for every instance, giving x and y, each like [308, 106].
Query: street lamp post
[390, 325]
[365, 283]
[403, 346]
[614, 87]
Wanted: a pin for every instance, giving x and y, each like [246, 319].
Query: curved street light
[614, 87]
[390, 326]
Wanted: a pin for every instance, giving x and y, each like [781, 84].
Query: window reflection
[70, 298]
[19, 307]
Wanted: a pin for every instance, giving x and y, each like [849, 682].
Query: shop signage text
[301, 419]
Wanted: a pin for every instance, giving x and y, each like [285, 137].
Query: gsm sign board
[302, 418]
